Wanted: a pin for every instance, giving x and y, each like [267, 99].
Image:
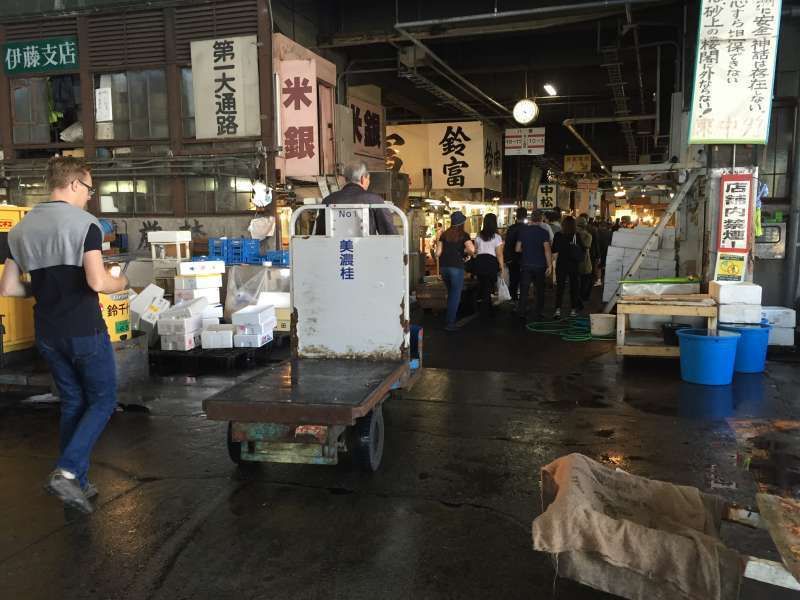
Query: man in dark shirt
[511, 256]
[59, 244]
[536, 263]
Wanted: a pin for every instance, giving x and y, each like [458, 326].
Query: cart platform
[309, 391]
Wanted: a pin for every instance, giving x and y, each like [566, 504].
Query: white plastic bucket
[603, 325]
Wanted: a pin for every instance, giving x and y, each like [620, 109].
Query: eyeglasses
[88, 187]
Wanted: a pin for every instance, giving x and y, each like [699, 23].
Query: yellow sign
[731, 267]
[577, 163]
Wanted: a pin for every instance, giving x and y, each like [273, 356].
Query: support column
[175, 122]
[266, 93]
[87, 100]
[793, 227]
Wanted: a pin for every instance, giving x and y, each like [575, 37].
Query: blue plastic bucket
[751, 355]
[707, 358]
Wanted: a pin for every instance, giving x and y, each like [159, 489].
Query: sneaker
[557, 314]
[68, 491]
[572, 314]
[90, 491]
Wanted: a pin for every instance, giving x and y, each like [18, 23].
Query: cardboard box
[779, 316]
[260, 329]
[781, 336]
[735, 293]
[253, 315]
[179, 326]
[180, 343]
[202, 267]
[211, 295]
[251, 341]
[182, 310]
[744, 314]
[197, 282]
[218, 336]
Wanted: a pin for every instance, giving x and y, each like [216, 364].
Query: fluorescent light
[548, 87]
[433, 202]
[507, 206]
[619, 194]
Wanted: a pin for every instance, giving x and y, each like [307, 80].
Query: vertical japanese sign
[492, 158]
[457, 154]
[368, 128]
[547, 196]
[299, 119]
[735, 71]
[347, 266]
[41, 56]
[735, 213]
[225, 81]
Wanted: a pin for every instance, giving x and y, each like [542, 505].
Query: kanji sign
[577, 163]
[528, 141]
[41, 56]
[547, 196]
[225, 82]
[735, 212]
[347, 268]
[735, 71]
[368, 128]
[299, 120]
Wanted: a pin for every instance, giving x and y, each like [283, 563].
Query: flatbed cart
[352, 348]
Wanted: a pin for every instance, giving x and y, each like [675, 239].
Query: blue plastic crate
[279, 258]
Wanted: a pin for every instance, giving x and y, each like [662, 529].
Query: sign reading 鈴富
[41, 56]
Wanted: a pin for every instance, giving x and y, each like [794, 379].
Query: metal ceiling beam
[570, 125]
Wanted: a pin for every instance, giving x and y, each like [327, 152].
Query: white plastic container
[203, 267]
[260, 329]
[744, 314]
[779, 316]
[179, 326]
[209, 322]
[169, 237]
[218, 336]
[182, 310]
[603, 325]
[251, 341]
[213, 311]
[781, 336]
[180, 342]
[253, 315]
[735, 293]
[197, 282]
[211, 295]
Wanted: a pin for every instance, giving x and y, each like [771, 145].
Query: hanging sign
[528, 141]
[547, 196]
[577, 163]
[368, 128]
[735, 70]
[299, 119]
[225, 82]
[41, 56]
[735, 213]
[730, 267]
[457, 154]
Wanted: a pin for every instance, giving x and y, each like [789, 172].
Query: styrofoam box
[210, 294]
[276, 299]
[144, 299]
[197, 282]
[179, 326]
[779, 316]
[735, 293]
[148, 320]
[251, 341]
[169, 237]
[182, 310]
[261, 329]
[213, 311]
[203, 267]
[629, 238]
[781, 336]
[218, 336]
[748, 314]
[210, 322]
[253, 315]
[180, 342]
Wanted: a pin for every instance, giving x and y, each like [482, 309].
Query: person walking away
[545, 225]
[603, 242]
[513, 258]
[488, 261]
[586, 269]
[536, 266]
[568, 254]
[59, 244]
[553, 219]
[452, 249]
[355, 192]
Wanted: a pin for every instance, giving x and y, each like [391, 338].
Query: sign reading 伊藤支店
[41, 56]
[735, 71]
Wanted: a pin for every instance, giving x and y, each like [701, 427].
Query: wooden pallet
[206, 360]
[633, 344]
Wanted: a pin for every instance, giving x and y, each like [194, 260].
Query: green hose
[574, 329]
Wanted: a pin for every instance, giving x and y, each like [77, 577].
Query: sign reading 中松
[547, 197]
[735, 204]
[577, 163]
[735, 71]
[41, 56]
[527, 141]
[225, 81]
[299, 119]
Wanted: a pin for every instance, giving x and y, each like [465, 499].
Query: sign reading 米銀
[41, 56]
[735, 71]
[225, 82]
[735, 205]
[299, 121]
[368, 128]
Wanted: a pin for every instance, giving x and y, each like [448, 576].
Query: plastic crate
[216, 249]
[279, 258]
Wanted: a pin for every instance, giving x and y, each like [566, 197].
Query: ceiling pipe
[570, 125]
[629, 15]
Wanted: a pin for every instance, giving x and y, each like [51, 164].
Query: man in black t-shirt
[59, 245]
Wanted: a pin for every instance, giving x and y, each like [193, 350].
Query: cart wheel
[368, 447]
[234, 448]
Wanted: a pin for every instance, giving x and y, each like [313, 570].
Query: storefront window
[187, 103]
[138, 105]
[218, 195]
[149, 196]
[775, 167]
[46, 110]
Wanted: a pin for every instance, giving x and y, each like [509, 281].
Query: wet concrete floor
[448, 515]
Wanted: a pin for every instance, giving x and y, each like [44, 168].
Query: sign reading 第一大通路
[41, 56]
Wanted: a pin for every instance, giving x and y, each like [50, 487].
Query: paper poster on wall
[735, 213]
[730, 267]
[102, 105]
[735, 71]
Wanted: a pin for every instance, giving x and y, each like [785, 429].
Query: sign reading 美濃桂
[41, 56]
[735, 70]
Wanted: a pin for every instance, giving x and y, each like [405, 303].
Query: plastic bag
[244, 288]
[503, 295]
[262, 227]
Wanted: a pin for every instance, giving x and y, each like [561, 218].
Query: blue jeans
[85, 374]
[454, 282]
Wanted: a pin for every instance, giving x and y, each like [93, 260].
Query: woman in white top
[488, 261]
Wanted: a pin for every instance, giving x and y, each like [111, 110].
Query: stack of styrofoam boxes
[626, 245]
[202, 279]
[168, 249]
[255, 325]
[282, 303]
[739, 303]
[783, 322]
[181, 326]
[145, 310]
[218, 336]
